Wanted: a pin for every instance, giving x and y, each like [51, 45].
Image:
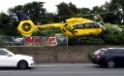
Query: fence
[35, 41]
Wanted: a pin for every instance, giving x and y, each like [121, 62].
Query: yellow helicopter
[73, 27]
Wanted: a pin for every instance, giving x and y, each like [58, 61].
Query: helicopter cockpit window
[96, 25]
[80, 26]
[89, 25]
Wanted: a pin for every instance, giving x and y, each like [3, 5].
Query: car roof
[111, 48]
[115, 48]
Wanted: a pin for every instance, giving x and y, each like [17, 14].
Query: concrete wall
[59, 54]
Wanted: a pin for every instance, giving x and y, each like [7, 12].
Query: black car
[109, 57]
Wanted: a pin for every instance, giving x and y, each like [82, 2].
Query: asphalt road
[64, 70]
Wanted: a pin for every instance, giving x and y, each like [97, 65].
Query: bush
[90, 40]
[113, 34]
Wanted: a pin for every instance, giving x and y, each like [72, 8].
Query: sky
[50, 5]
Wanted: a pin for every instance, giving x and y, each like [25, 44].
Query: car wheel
[22, 64]
[110, 64]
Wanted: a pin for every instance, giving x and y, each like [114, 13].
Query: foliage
[89, 40]
[34, 10]
[8, 24]
[47, 32]
[113, 28]
[113, 34]
[84, 11]
[1, 38]
[66, 10]
[117, 6]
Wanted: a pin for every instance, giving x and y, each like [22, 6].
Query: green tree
[118, 7]
[113, 34]
[84, 12]
[34, 10]
[8, 25]
[66, 10]
[2, 36]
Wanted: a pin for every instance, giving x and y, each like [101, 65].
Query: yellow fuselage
[27, 27]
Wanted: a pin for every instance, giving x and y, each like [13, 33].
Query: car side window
[114, 52]
[117, 52]
[2, 52]
[121, 52]
[107, 52]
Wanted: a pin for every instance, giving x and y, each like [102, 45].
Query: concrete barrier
[59, 54]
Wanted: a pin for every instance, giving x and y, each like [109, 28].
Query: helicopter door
[80, 28]
[89, 29]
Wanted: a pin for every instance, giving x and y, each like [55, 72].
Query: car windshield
[11, 53]
[5, 52]
[98, 51]
[2, 52]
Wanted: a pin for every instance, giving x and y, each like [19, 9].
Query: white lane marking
[14, 71]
